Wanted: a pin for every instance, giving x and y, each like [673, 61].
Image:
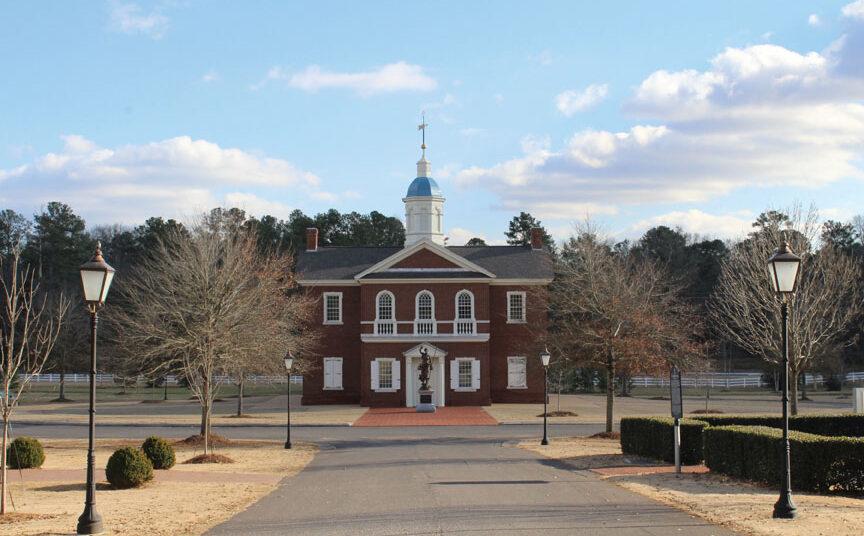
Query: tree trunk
[240, 397]
[793, 392]
[62, 383]
[560, 377]
[610, 389]
[3, 464]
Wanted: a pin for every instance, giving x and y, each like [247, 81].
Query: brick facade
[491, 342]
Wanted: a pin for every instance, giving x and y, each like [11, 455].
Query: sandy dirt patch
[164, 506]
[741, 506]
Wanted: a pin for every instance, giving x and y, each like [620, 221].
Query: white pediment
[433, 351]
[441, 251]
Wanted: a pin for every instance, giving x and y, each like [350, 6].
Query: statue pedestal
[426, 405]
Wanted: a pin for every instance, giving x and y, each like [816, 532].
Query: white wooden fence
[732, 380]
[108, 379]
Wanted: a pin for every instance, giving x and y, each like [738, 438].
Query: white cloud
[210, 76]
[498, 98]
[855, 10]
[761, 116]
[458, 236]
[257, 206]
[700, 223]
[572, 101]
[129, 18]
[767, 36]
[389, 78]
[127, 183]
[814, 20]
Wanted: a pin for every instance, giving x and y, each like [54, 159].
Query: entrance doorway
[412, 373]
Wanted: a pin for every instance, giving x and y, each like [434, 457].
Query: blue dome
[424, 187]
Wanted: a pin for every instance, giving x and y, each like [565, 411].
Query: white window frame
[524, 317]
[391, 322]
[472, 321]
[418, 320]
[455, 375]
[395, 371]
[330, 295]
[334, 386]
[511, 360]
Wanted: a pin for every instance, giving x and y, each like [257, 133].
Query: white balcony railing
[424, 327]
[465, 327]
[385, 327]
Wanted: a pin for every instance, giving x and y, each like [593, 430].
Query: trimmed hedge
[849, 424]
[653, 437]
[159, 452]
[25, 453]
[128, 467]
[819, 463]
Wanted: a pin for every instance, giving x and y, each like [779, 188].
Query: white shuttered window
[386, 374]
[333, 373]
[465, 374]
[517, 374]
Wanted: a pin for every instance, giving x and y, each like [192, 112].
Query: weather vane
[422, 126]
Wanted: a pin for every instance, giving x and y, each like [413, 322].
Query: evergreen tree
[519, 231]
[14, 229]
[58, 245]
[474, 242]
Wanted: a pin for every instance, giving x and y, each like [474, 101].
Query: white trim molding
[440, 337]
[426, 244]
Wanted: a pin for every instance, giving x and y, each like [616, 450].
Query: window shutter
[397, 379]
[328, 373]
[374, 364]
[454, 374]
[337, 373]
[475, 374]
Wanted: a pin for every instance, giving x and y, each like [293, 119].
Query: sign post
[677, 412]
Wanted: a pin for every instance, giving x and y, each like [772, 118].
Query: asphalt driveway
[421, 481]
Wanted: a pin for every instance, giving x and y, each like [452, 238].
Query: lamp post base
[90, 522]
[544, 441]
[785, 508]
[287, 444]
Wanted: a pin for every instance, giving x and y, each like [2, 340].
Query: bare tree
[828, 299]
[618, 311]
[204, 301]
[29, 326]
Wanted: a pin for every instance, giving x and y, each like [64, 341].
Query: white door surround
[412, 380]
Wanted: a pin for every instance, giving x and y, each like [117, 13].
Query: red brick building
[477, 310]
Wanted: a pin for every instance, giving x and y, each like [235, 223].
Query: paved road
[450, 480]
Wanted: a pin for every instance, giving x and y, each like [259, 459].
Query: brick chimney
[536, 238]
[311, 239]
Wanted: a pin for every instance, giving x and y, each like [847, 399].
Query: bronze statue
[425, 368]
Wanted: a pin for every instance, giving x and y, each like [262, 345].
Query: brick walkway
[648, 470]
[446, 416]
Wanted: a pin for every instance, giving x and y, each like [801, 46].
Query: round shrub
[159, 451]
[128, 468]
[25, 453]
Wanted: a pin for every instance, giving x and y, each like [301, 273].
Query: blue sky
[698, 114]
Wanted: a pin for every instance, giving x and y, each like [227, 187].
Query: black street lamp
[544, 358]
[289, 362]
[783, 268]
[96, 277]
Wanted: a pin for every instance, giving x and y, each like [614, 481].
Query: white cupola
[424, 204]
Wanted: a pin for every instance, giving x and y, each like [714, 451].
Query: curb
[177, 425]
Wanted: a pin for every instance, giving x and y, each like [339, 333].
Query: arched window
[385, 320]
[464, 306]
[424, 320]
[465, 323]
[425, 305]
